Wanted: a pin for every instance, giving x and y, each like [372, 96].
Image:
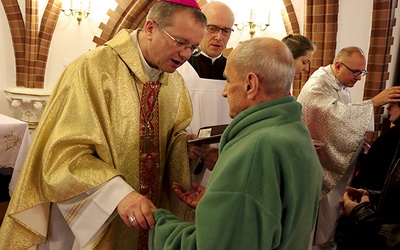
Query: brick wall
[379, 56]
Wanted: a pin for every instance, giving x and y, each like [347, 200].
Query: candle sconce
[79, 11]
[252, 25]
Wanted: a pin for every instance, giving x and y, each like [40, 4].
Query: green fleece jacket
[263, 192]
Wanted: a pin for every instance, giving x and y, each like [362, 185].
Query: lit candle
[269, 17]
[88, 10]
[251, 15]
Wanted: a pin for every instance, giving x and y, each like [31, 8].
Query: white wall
[7, 64]
[70, 40]
[355, 30]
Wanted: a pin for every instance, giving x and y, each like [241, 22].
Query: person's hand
[139, 208]
[351, 198]
[190, 198]
[387, 96]
[210, 158]
[196, 152]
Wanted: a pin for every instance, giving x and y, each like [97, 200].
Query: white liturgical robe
[209, 107]
[341, 126]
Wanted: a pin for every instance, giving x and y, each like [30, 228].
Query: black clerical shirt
[206, 69]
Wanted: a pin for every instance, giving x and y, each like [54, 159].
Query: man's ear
[252, 85]
[149, 27]
[336, 66]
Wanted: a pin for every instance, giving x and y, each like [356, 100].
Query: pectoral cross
[147, 138]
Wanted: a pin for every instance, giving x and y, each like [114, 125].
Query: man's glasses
[355, 72]
[195, 50]
[215, 29]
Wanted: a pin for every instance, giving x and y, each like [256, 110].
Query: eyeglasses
[215, 29]
[355, 72]
[195, 50]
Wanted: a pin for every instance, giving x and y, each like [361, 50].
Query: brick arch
[126, 15]
[289, 18]
[31, 44]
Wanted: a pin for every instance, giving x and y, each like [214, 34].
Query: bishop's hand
[137, 210]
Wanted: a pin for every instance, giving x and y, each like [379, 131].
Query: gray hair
[162, 13]
[268, 58]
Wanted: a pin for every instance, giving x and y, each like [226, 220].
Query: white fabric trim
[94, 216]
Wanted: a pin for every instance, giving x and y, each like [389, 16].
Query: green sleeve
[171, 232]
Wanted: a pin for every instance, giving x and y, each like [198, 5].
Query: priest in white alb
[341, 126]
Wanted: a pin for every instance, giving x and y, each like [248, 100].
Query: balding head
[258, 70]
[348, 52]
[270, 60]
[349, 66]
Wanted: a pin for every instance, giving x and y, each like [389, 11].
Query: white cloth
[14, 146]
[209, 108]
[341, 125]
[77, 223]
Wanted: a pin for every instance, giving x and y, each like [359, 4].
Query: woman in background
[302, 50]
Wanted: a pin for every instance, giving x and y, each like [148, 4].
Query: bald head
[219, 16]
[219, 8]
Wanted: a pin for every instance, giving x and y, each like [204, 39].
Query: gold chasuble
[103, 121]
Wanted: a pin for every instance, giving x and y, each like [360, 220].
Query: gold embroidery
[12, 141]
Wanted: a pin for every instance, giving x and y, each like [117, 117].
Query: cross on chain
[147, 138]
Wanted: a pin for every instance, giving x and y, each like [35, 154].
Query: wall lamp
[80, 10]
[251, 24]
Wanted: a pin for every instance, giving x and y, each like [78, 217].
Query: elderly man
[111, 141]
[341, 126]
[263, 192]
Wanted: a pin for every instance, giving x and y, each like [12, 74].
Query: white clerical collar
[152, 74]
[212, 58]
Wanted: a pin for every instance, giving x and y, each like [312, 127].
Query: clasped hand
[351, 198]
